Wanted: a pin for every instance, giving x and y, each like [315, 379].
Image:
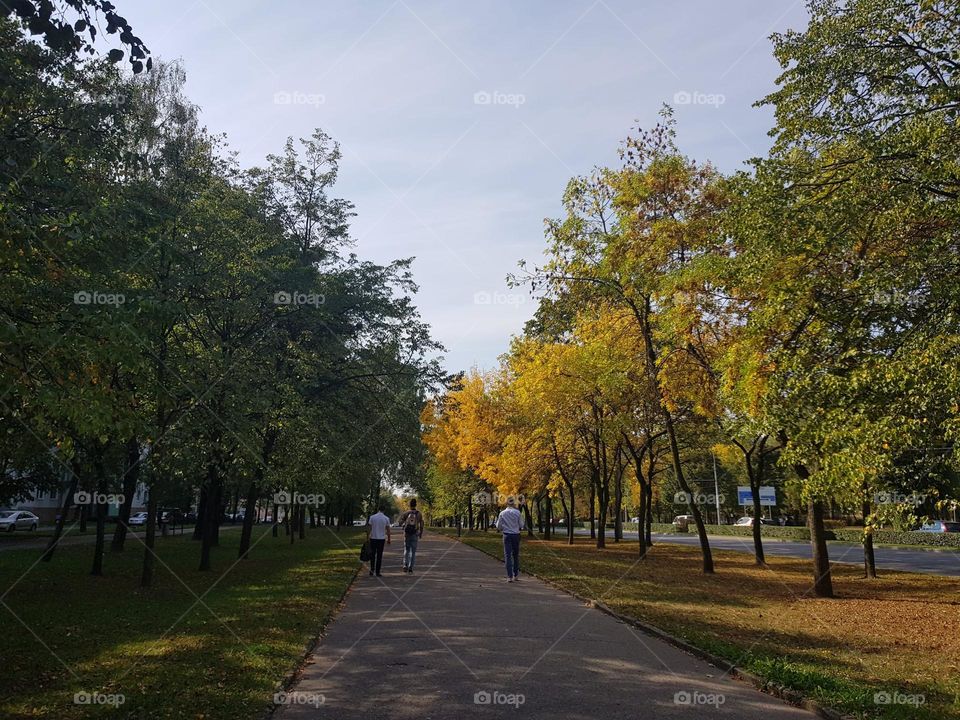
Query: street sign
[768, 496]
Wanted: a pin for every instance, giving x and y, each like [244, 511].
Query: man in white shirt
[510, 523]
[378, 533]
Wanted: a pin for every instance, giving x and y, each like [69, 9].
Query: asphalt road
[455, 641]
[936, 562]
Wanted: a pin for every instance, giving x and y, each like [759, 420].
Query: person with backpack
[412, 523]
[510, 523]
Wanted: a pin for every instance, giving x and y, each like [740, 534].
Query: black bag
[365, 553]
[412, 529]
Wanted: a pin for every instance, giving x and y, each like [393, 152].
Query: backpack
[411, 528]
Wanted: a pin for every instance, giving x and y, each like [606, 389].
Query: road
[944, 562]
[455, 640]
[18, 542]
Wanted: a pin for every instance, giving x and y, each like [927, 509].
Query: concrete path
[933, 561]
[456, 641]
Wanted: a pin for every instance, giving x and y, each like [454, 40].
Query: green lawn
[66, 632]
[892, 637]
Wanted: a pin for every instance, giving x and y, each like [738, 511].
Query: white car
[11, 520]
[139, 518]
[744, 521]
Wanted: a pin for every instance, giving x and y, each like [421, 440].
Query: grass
[66, 632]
[899, 633]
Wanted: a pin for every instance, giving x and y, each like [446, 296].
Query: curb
[791, 696]
[291, 678]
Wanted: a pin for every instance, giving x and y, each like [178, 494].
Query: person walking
[412, 523]
[378, 533]
[510, 523]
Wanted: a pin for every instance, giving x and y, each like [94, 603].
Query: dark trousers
[376, 556]
[511, 553]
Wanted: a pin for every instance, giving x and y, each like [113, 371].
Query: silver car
[11, 520]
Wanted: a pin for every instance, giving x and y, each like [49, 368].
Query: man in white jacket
[510, 523]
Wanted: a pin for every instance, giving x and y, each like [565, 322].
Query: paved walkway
[456, 641]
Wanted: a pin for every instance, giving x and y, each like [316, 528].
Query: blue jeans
[410, 549]
[511, 553]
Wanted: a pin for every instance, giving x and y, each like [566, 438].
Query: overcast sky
[461, 122]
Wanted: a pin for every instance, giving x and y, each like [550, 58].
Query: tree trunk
[869, 561]
[246, 532]
[146, 575]
[682, 481]
[529, 520]
[98, 548]
[201, 514]
[64, 510]
[618, 507]
[276, 520]
[822, 581]
[593, 504]
[207, 535]
[130, 476]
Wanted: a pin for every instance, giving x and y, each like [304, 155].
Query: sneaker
[371, 573]
[410, 570]
[405, 568]
[509, 579]
[516, 578]
[379, 575]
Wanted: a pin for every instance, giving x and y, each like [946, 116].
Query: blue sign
[768, 496]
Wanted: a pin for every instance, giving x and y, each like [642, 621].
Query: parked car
[139, 518]
[11, 520]
[682, 522]
[941, 526]
[635, 520]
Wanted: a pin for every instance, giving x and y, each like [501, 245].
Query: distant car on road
[11, 520]
[139, 518]
[682, 522]
[747, 521]
[941, 526]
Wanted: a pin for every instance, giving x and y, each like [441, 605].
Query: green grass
[66, 632]
[894, 634]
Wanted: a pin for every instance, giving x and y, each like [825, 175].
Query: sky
[460, 123]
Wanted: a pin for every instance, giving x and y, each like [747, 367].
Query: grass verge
[893, 638]
[168, 654]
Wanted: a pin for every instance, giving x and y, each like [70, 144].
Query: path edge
[779, 691]
[293, 676]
